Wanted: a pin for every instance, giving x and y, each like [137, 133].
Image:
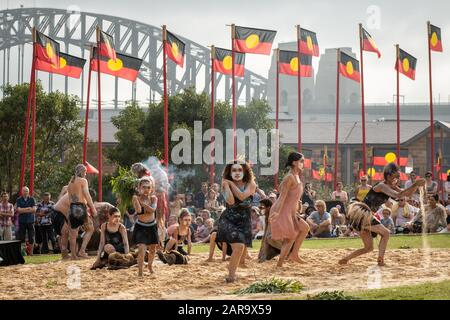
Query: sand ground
[202, 280]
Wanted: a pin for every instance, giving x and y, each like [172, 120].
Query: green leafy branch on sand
[331, 295]
[272, 285]
[124, 185]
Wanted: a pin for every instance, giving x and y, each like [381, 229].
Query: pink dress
[285, 225]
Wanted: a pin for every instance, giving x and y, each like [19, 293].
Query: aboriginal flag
[382, 157]
[175, 49]
[288, 64]
[308, 156]
[222, 59]
[349, 67]
[47, 49]
[69, 66]
[125, 67]
[308, 43]
[368, 44]
[251, 40]
[434, 35]
[107, 46]
[377, 173]
[319, 172]
[407, 64]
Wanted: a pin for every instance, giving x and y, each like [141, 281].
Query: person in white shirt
[403, 213]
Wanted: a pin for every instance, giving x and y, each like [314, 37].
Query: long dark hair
[390, 169]
[248, 172]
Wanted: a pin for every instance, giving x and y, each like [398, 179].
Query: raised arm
[399, 194]
[227, 194]
[242, 195]
[136, 204]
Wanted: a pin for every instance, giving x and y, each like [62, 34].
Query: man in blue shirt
[320, 221]
[26, 208]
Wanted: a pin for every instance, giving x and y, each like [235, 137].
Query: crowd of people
[227, 216]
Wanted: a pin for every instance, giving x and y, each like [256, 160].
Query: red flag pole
[299, 91]
[398, 104]
[212, 168]
[27, 119]
[233, 93]
[100, 156]
[277, 112]
[363, 112]
[441, 163]
[86, 119]
[336, 148]
[166, 103]
[33, 128]
[431, 100]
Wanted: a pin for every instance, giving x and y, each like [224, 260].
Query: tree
[58, 138]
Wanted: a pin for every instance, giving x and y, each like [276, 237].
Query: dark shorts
[59, 219]
[77, 215]
[145, 233]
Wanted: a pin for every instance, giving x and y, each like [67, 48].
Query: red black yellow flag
[434, 35]
[222, 59]
[125, 67]
[251, 40]
[376, 173]
[382, 157]
[308, 43]
[407, 64]
[349, 67]
[288, 63]
[47, 49]
[69, 66]
[175, 49]
[106, 45]
[368, 44]
[319, 172]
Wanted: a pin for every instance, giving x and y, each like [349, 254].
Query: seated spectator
[273, 197]
[436, 215]
[176, 205]
[212, 204]
[113, 238]
[339, 194]
[257, 228]
[220, 197]
[387, 220]
[412, 178]
[6, 217]
[447, 210]
[181, 235]
[402, 214]
[205, 214]
[337, 222]
[189, 199]
[320, 221]
[44, 225]
[203, 233]
[388, 204]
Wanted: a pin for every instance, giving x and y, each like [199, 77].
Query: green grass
[426, 291]
[43, 258]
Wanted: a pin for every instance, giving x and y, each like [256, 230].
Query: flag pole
[431, 100]
[299, 91]
[233, 92]
[336, 148]
[28, 114]
[33, 120]
[212, 168]
[86, 120]
[277, 112]
[441, 162]
[363, 112]
[398, 104]
[166, 104]
[100, 190]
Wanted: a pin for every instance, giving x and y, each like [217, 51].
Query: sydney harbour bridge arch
[75, 31]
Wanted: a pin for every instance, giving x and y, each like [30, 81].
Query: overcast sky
[335, 22]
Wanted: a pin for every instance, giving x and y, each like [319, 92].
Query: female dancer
[238, 185]
[361, 214]
[145, 233]
[283, 221]
[181, 235]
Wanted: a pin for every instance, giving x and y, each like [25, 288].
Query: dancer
[145, 234]
[181, 234]
[78, 192]
[361, 214]
[238, 185]
[283, 222]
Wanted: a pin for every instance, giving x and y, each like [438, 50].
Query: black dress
[235, 223]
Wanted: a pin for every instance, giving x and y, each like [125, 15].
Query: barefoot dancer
[78, 192]
[283, 222]
[238, 185]
[181, 235]
[145, 233]
[361, 214]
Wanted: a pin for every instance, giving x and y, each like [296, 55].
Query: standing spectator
[6, 215]
[431, 185]
[339, 194]
[220, 197]
[447, 190]
[201, 196]
[45, 223]
[403, 213]
[387, 220]
[362, 189]
[410, 182]
[26, 208]
[320, 221]
[189, 200]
